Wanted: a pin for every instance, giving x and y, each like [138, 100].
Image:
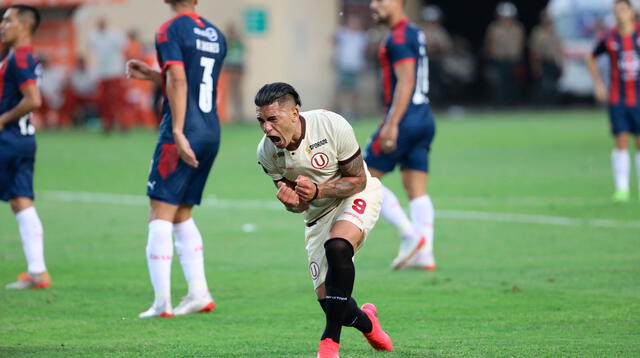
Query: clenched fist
[306, 189]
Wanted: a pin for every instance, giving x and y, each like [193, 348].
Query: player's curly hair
[277, 91]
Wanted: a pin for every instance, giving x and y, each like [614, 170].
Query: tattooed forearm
[354, 180]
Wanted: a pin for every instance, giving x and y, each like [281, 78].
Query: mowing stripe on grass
[215, 203]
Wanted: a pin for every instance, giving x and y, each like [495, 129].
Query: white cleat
[162, 310]
[424, 260]
[408, 249]
[191, 304]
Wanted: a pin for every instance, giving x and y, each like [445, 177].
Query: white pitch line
[215, 203]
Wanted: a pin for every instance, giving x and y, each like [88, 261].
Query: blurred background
[520, 54]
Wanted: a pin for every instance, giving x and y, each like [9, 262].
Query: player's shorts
[361, 209]
[624, 119]
[16, 176]
[174, 182]
[415, 134]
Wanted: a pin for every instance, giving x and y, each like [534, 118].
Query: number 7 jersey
[190, 41]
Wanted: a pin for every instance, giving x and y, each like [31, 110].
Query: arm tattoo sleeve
[354, 180]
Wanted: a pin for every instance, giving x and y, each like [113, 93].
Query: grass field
[534, 260]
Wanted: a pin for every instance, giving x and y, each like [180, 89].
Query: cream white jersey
[328, 140]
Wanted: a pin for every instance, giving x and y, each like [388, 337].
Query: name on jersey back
[211, 34]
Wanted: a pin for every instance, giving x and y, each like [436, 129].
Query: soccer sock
[621, 164]
[354, 316]
[394, 214]
[32, 239]
[190, 250]
[159, 255]
[422, 214]
[338, 284]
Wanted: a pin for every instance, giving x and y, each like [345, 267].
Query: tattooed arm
[354, 180]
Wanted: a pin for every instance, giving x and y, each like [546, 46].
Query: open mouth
[274, 139]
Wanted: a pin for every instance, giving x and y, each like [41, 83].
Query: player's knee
[338, 251]
[20, 203]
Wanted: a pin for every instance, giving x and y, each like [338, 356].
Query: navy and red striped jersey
[405, 42]
[191, 41]
[19, 69]
[624, 54]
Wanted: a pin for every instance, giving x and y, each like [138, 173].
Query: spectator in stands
[439, 46]
[52, 83]
[460, 68]
[80, 94]
[134, 49]
[108, 46]
[546, 54]
[234, 67]
[350, 42]
[504, 47]
[138, 95]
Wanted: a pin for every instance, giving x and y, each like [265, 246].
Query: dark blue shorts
[174, 182]
[16, 175]
[415, 134]
[624, 119]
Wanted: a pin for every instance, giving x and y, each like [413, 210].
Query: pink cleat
[328, 349]
[378, 339]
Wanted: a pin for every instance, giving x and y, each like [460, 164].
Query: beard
[379, 19]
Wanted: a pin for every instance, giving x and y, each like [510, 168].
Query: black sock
[338, 284]
[354, 316]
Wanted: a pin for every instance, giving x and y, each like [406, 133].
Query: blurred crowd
[95, 91]
[95, 88]
[512, 67]
[455, 67]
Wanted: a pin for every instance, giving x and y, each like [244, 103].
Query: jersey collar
[194, 16]
[402, 22]
[25, 47]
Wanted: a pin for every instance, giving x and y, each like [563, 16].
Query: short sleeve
[347, 147]
[168, 46]
[25, 68]
[600, 48]
[268, 163]
[399, 52]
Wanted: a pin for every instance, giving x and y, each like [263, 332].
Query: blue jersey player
[621, 45]
[190, 51]
[19, 96]
[405, 135]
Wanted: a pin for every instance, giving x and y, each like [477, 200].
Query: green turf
[502, 289]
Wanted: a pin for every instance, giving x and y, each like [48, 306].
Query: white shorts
[361, 209]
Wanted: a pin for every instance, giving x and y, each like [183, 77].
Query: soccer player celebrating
[190, 51]
[621, 44]
[315, 162]
[19, 96]
[405, 134]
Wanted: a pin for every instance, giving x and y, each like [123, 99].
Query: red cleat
[378, 339]
[328, 349]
